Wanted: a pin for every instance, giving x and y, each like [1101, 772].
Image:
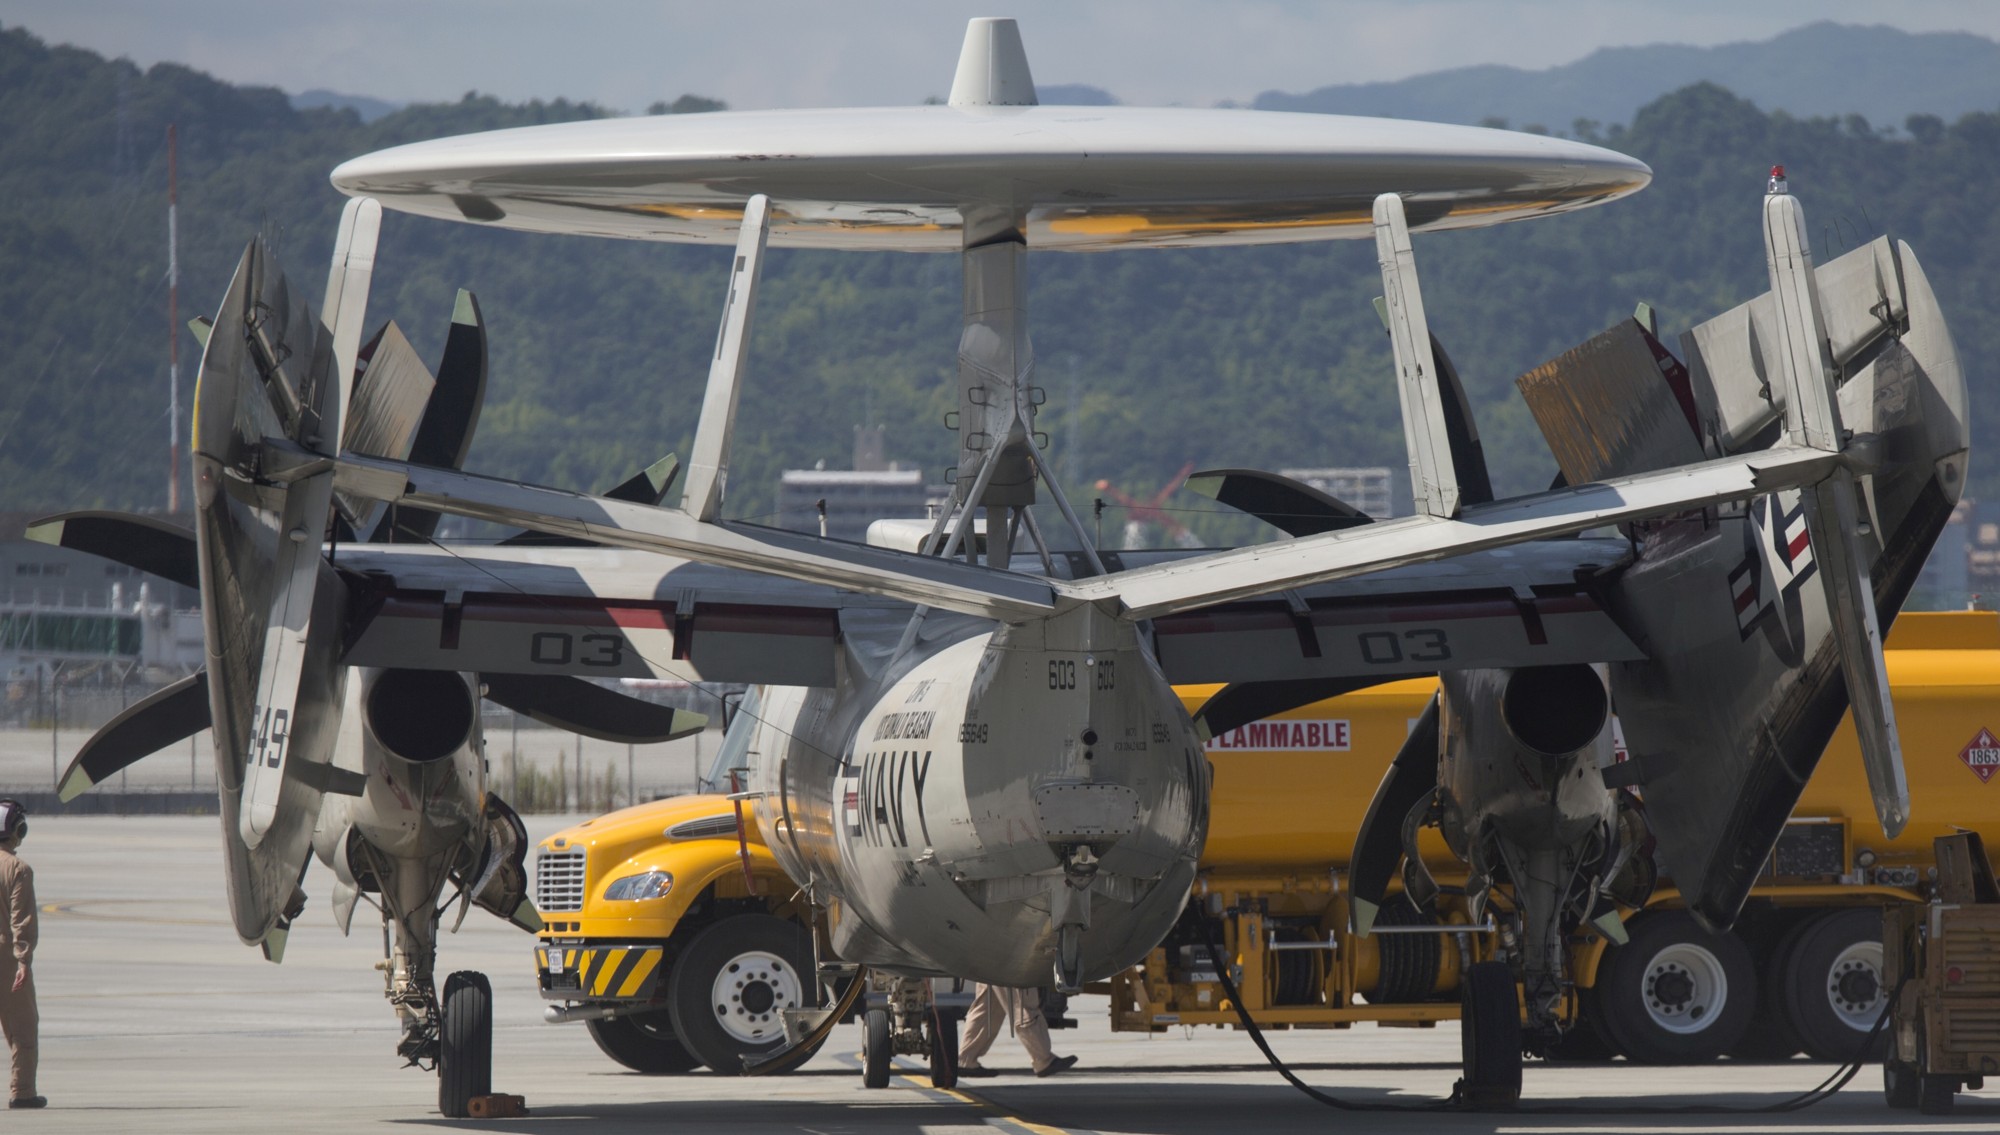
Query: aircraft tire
[643, 1042]
[1490, 1032]
[1834, 992]
[875, 1048]
[465, 1051]
[731, 985]
[942, 1028]
[1675, 993]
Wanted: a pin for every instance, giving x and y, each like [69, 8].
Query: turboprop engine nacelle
[1521, 757]
[1036, 784]
[421, 751]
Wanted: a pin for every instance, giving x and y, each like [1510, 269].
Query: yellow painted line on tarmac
[997, 1116]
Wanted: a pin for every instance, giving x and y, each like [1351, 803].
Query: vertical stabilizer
[1433, 472]
[993, 66]
[708, 465]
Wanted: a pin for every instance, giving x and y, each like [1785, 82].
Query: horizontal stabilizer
[1608, 407]
[154, 546]
[929, 580]
[1265, 569]
[166, 717]
[581, 707]
[1291, 507]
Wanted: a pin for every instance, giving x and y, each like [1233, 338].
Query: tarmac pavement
[154, 1019]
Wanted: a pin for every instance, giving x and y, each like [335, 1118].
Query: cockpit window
[735, 752]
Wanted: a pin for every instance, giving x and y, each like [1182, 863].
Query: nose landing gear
[909, 1022]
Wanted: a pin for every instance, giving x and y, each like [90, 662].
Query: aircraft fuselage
[990, 805]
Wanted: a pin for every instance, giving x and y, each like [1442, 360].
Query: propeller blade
[1468, 455]
[1287, 505]
[581, 707]
[147, 543]
[1378, 847]
[648, 486]
[1834, 526]
[445, 435]
[165, 717]
[386, 407]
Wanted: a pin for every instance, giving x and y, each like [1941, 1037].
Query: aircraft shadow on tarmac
[1186, 1100]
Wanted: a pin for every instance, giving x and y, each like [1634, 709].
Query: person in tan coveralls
[18, 924]
[992, 1004]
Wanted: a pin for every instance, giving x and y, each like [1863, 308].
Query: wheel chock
[499, 1106]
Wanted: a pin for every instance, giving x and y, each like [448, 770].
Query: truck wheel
[1833, 993]
[1490, 1037]
[1676, 994]
[1585, 1042]
[1771, 1036]
[875, 1048]
[465, 1052]
[643, 1042]
[732, 984]
[942, 1033]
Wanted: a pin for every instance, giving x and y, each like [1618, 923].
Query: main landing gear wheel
[1676, 994]
[465, 1052]
[1770, 1036]
[1490, 1032]
[643, 1042]
[732, 985]
[1833, 992]
[941, 1031]
[875, 1051]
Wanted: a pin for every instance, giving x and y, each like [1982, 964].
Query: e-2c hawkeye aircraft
[975, 765]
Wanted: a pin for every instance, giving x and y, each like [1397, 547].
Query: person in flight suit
[18, 926]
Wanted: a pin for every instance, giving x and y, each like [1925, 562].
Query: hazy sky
[765, 53]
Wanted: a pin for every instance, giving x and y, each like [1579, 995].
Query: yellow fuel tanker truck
[675, 936]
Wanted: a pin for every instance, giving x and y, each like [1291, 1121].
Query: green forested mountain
[1881, 73]
[1270, 357]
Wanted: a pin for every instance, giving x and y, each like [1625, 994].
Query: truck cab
[671, 932]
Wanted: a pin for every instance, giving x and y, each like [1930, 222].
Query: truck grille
[559, 877]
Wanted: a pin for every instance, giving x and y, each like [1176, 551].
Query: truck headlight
[632, 888]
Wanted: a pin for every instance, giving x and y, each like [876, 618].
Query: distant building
[854, 498]
[1365, 488]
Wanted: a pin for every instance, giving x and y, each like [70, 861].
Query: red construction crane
[1151, 511]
